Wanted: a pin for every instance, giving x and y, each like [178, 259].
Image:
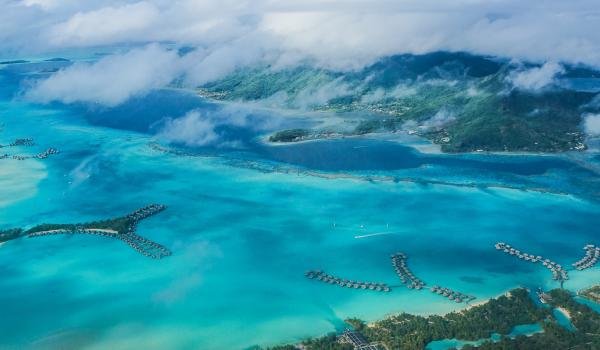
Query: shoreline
[285, 168]
[507, 293]
[564, 312]
[444, 313]
[426, 146]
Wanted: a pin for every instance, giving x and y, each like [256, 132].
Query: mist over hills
[462, 101]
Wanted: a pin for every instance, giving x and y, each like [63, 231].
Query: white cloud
[111, 80]
[193, 129]
[105, 25]
[441, 118]
[210, 128]
[373, 96]
[591, 124]
[229, 34]
[321, 94]
[380, 94]
[334, 33]
[535, 79]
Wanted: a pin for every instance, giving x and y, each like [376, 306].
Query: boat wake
[374, 234]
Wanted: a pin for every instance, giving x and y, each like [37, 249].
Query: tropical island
[497, 317]
[592, 293]
[14, 62]
[460, 101]
[122, 228]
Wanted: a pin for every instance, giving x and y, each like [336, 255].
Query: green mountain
[462, 102]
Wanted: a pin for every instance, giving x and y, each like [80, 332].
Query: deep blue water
[582, 84]
[364, 154]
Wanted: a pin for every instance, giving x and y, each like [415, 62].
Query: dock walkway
[558, 273]
[592, 254]
[323, 277]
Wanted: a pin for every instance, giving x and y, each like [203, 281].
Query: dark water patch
[472, 279]
[14, 62]
[581, 84]
[17, 78]
[363, 154]
[234, 126]
[57, 59]
[141, 114]
[509, 269]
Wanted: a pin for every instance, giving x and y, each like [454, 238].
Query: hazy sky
[227, 34]
[339, 34]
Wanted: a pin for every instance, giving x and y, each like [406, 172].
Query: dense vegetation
[289, 135]
[460, 101]
[585, 337]
[7, 235]
[592, 293]
[501, 315]
[120, 225]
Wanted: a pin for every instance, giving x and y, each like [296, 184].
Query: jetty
[19, 142]
[122, 228]
[452, 294]
[406, 276]
[558, 272]
[321, 276]
[26, 142]
[592, 254]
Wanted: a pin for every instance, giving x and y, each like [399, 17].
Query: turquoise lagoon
[243, 232]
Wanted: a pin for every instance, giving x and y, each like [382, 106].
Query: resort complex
[26, 142]
[122, 228]
[323, 277]
[402, 271]
[592, 253]
[558, 273]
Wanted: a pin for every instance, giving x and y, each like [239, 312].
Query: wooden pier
[558, 273]
[452, 294]
[405, 275]
[592, 254]
[318, 275]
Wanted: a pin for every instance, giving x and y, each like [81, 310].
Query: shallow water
[242, 238]
[563, 320]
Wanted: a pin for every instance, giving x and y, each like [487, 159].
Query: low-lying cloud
[332, 33]
[111, 80]
[228, 34]
[380, 94]
[441, 118]
[193, 129]
[537, 78]
[322, 94]
[199, 128]
[591, 124]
